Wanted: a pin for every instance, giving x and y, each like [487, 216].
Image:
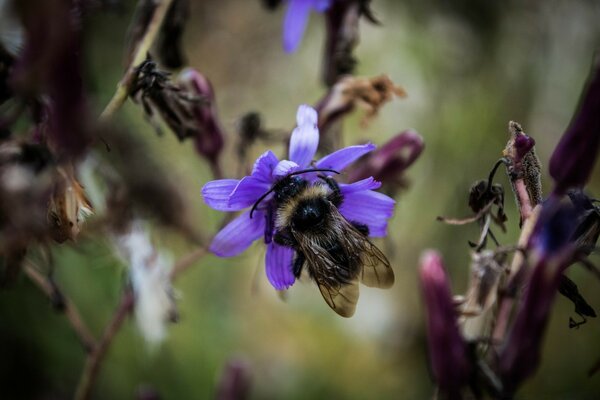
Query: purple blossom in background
[450, 365]
[236, 195]
[573, 159]
[296, 18]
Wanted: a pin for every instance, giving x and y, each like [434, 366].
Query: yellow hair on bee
[285, 212]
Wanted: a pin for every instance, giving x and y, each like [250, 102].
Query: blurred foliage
[468, 67]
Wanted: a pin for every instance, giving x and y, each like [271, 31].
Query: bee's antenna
[259, 200]
[304, 171]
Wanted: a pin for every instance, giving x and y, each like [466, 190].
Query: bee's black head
[309, 214]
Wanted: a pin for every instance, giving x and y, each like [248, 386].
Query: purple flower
[575, 155]
[235, 195]
[296, 18]
[450, 365]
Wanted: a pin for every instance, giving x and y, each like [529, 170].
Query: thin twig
[124, 86]
[187, 261]
[88, 341]
[94, 359]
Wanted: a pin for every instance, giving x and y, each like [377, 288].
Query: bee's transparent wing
[342, 299]
[377, 271]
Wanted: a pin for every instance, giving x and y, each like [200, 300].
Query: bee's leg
[362, 228]
[298, 263]
[335, 197]
[284, 238]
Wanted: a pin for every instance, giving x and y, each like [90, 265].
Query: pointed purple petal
[365, 184]
[285, 167]
[305, 138]
[370, 208]
[264, 165]
[239, 234]
[294, 24]
[321, 5]
[216, 194]
[342, 158]
[278, 262]
[247, 192]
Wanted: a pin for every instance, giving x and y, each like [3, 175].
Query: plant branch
[86, 338]
[187, 261]
[94, 359]
[124, 86]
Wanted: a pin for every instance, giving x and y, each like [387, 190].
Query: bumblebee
[336, 252]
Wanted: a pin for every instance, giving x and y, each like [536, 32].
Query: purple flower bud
[235, 381]
[209, 140]
[388, 163]
[448, 351]
[575, 155]
[342, 37]
[551, 252]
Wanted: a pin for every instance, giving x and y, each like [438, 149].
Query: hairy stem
[85, 336]
[124, 86]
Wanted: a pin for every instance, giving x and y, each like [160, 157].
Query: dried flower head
[351, 92]
[159, 96]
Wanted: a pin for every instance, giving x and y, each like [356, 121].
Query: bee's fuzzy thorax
[287, 209]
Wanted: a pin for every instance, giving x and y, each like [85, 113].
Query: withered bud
[235, 381]
[569, 289]
[575, 155]
[159, 96]
[209, 138]
[250, 129]
[68, 207]
[448, 352]
[588, 221]
[169, 41]
[389, 162]
[351, 92]
[523, 169]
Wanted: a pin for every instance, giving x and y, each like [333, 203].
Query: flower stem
[94, 359]
[86, 338]
[124, 86]
[187, 261]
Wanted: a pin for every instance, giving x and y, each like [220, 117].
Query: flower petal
[370, 208]
[365, 184]
[247, 192]
[294, 24]
[264, 165]
[278, 263]
[321, 5]
[239, 234]
[285, 167]
[216, 194]
[340, 159]
[305, 138]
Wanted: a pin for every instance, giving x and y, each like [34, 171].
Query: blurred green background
[468, 68]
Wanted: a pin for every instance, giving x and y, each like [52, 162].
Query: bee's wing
[342, 299]
[339, 293]
[377, 271]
